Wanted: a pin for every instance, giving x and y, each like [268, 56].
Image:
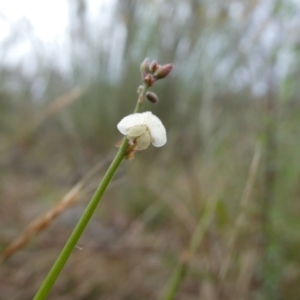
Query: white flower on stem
[143, 129]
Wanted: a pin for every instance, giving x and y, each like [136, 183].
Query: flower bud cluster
[153, 71]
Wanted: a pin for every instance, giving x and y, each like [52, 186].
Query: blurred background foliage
[232, 114]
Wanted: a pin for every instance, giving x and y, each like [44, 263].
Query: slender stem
[182, 268]
[177, 277]
[81, 225]
[141, 98]
[87, 214]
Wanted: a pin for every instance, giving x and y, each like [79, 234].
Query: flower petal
[144, 140]
[157, 131]
[130, 121]
[136, 131]
[154, 124]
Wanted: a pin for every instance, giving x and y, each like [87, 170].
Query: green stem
[85, 218]
[81, 225]
[182, 268]
[175, 281]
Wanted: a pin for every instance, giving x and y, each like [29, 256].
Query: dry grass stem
[42, 222]
[53, 108]
[59, 103]
[176, 204]
[242, 214]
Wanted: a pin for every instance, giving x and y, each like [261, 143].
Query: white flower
[143, 128]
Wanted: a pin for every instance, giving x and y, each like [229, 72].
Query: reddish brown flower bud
[145, 67]
[154, 66]
[163, 71]
[152, 97]
[148, 79]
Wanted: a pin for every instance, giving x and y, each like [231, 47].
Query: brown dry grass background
[231, 110]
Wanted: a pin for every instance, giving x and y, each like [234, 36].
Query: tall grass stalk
[181, 270]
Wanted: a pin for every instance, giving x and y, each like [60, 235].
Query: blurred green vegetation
[233, 94]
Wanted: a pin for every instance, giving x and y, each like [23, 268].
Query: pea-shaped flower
[143, 129]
